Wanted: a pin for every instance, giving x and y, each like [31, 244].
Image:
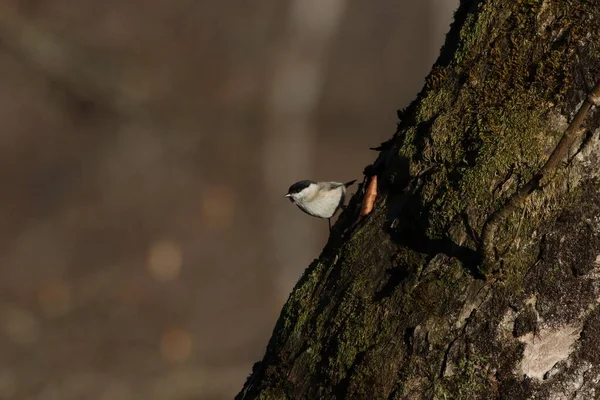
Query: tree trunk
[396, 306]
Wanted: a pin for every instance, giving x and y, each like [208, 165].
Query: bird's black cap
[299, 186]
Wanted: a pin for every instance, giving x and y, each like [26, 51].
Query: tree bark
[396, 307]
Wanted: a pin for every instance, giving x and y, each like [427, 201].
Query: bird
[319, 199]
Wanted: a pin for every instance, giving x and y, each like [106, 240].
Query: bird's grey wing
[332, 185]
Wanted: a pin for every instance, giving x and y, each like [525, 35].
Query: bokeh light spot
[164, 260]
[176, 345]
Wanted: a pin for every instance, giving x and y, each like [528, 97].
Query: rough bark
[395, 306]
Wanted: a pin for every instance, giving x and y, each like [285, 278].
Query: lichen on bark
[394, 307]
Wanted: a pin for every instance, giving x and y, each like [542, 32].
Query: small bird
[319, 199]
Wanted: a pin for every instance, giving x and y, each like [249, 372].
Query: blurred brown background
[146, 248]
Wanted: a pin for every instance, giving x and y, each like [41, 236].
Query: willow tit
[319, 199]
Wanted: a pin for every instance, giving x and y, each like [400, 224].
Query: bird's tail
[349, 183]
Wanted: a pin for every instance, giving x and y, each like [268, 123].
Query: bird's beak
[288, 195]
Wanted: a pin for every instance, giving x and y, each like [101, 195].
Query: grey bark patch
[547, 348]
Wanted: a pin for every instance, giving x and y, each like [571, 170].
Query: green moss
[353, 326]
[272, 394]
[296, 310]
[471, 379]
[490, 115]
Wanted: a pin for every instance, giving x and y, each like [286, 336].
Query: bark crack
[449, 347]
